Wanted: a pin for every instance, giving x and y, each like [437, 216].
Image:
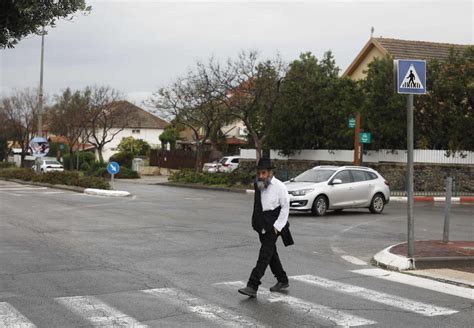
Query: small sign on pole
[113, 168]
[351, 123]
[365, 137]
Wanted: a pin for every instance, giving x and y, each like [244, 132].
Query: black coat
[265, 220]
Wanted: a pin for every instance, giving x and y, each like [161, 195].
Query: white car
[325, 188]
[228, 164]
[48, 165]
[210, 167]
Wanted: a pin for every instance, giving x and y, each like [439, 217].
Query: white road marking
[11, 318]
[353, 260]
[375, 296]
[319, 311]
[98, 313]
[211, 312]
[419, 282]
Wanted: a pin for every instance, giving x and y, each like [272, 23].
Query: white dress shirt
[276, 195]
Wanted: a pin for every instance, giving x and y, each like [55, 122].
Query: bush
[126, 173]
[63, 178]
[123, 159]
[100, 170]
[18, 173]
[235, 178]
[84, 157]
[5, 165]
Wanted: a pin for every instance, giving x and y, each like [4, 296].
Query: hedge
[4, 165]
[64, 178]
[236, 178]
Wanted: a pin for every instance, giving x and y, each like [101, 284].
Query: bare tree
[19, 113]
[105, 116]
[194, 101]
[252, 89]
[67, 118]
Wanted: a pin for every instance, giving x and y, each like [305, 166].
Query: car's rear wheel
[377, 204]
[320, 205]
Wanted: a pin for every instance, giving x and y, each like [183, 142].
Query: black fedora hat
[265, 164]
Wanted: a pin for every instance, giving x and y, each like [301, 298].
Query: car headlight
[300, 192]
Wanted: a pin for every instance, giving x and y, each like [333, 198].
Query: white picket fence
[372, 156]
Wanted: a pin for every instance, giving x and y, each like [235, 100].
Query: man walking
[269, 220]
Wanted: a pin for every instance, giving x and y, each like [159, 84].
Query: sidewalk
[451, 262]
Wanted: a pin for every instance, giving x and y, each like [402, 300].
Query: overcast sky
[139, 46]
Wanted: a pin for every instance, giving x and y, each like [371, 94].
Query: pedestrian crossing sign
[411, 76]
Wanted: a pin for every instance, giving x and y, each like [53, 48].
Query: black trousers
[268, 256]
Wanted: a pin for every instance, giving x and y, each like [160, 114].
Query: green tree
[169, 136]
[383, 113]
[135, 146]
[314, 107]
[445, 114]
[18, 19]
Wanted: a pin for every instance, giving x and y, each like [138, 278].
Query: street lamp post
[40, 98]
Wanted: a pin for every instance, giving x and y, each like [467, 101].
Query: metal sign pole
[447, 209]
[411, 221]
[112, 181]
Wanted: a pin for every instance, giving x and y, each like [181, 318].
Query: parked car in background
[228, 164]
[325, 188]
[48, 165]
[210, 167]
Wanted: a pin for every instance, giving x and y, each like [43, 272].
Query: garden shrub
[5, 165]
[123, 159]
[67, 178]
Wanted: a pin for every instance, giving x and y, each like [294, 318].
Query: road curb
[460, 200]
[393, 262]
[201, 187]
[107, 193]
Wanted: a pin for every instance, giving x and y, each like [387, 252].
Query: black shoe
[249, 291]
[279, 286]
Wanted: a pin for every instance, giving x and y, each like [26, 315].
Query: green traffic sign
[61, 146]
[351, 122]
[365, 137]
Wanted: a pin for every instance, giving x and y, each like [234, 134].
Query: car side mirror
[336, 181]
[292, 180]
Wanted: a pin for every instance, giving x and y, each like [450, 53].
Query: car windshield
[314, 175]
[52, 162]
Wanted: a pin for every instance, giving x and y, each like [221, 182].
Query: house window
[136, 131]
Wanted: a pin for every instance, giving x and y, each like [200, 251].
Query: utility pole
[40, 100]
[411, 223]
[356, 139]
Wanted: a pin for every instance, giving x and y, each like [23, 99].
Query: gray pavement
[173, 257]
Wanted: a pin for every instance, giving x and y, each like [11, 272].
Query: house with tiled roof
[398, 49]
[139, 124]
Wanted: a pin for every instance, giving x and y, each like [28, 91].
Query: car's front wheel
[320, 206]
[377, 204]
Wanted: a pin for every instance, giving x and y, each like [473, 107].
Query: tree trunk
[198, 157]
[258, 150]
[99, 152]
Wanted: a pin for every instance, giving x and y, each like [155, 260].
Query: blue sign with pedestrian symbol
[411, 76]
[113, 168]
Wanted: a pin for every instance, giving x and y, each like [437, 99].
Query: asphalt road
[174, 257]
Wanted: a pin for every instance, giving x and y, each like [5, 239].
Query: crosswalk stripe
[11, 318]
[320, 311]
[211, 312]
[98, 313]
[375, 296]
[418, 282]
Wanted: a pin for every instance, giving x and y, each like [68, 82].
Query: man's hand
[276, 231]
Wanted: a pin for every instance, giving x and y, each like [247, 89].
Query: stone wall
[427, 177]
